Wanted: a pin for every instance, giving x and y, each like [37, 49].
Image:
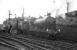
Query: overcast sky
[33, 7]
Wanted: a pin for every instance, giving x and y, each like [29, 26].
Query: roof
[71, 14]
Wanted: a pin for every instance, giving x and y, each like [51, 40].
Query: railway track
[57, 45]
[16, 44]
[51, 45]
[29, 43]
[38, 42]
[8, 45]
[47, 42]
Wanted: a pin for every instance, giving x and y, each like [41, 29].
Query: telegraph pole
[16, 21]
[16, 24]
[23, 14]
[9, 17]
[29, 22]
[9, 22]
[15, 15]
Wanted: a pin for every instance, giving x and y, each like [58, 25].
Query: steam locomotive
[46, 29]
